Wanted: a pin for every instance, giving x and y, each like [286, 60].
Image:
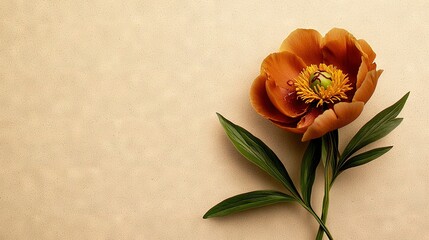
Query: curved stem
[322, 224]
[329, 143]
[325, 208]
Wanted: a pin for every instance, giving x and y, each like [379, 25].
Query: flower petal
[342, 114]
[367, 88]
[309, 117]
[341, 49]
[262, 104]
[303, 124]
[290, 127]
[285, 100]
[363, 71]
[281, 70]
[281, 67]
[367, 49]
[361, 75]
[304, 43]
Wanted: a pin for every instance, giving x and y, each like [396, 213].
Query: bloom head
[315, 84]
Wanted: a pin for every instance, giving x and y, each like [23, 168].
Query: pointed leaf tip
[247, 201]
[376, 128]
[365, 157]
[257, 152]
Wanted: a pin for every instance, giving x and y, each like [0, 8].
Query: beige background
[108, 126]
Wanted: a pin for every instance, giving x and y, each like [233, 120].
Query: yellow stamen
[335, 92]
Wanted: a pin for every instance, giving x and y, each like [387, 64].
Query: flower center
[323, 83]
[320, 78]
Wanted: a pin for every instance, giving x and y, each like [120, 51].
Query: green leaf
[247, 201]
[335, 152]
[329, 155]
[378, 127]
[309, 164]
[381, 132]
[365, 157]
[254, 150]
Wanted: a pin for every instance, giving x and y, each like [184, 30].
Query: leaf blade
[365, 135]
[247, 201]
[310, 161]
[365, 157]
[382, 131]
[254, 150]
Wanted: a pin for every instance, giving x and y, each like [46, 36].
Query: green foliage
[378, 127]
[365, 157]
[254, 150]
[309, 164]
[324, 149]
[247, 201]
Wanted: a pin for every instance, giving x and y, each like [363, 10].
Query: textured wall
[108, 126]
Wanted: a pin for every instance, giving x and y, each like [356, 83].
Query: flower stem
[329, 145]
[324, 211]
[320, 221]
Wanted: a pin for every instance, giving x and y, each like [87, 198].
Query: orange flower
[315, 84]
